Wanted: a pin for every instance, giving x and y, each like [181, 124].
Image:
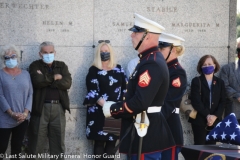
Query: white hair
[10, 48]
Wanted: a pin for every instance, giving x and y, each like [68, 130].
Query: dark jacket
[42, 81]
[202, 102]
[147, 86]
[177, 87]
[230, 74]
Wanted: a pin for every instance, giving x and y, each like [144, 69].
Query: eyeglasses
[13, 56]
[238, 50]
[106, 41]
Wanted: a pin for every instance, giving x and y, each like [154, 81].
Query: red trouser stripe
[173, 153]
[142, 156]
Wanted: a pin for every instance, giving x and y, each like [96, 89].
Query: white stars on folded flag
[214, 135]
[233, 136]
[218, 125]
[223, 136]
[238, 126]
[228, 123]
[226, 131]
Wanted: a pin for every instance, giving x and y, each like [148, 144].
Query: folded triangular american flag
[226, 131]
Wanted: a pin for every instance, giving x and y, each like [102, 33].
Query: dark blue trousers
[171, 154]
[148, 156]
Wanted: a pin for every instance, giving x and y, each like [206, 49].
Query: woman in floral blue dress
[106, 81]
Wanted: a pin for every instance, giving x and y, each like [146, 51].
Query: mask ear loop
[169, 52]
[140, 42]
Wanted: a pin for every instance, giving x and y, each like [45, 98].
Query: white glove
[106, 108]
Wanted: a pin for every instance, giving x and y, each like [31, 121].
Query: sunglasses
[106, 41]
[13, 56]
[238, 50]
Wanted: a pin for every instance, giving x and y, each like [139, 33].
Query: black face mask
[105, 56]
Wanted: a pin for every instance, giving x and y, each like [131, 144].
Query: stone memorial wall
[75, 26]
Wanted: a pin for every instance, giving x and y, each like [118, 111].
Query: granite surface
[75, 27]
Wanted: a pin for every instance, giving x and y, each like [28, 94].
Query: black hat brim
[137, 29]
[164, 44]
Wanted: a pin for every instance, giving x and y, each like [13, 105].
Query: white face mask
[48, 58]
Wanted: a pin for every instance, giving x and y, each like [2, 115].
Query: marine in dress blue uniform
[146, 91]
[177, 87]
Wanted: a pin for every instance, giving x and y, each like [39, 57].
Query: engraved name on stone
[75, 138]
[71, 119]
[23, 6]
[187, 132]
[167, 9]
[122, 26]
[55, 24]
[195, 26]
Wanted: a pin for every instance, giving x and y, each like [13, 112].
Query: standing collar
[172, 62]
[147, 51]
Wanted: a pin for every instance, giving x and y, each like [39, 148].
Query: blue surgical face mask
[208, 70]
[11, 63]
[48, 58]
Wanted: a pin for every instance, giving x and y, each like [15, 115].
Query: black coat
[147, 87]
[202, 102]
[177, 87]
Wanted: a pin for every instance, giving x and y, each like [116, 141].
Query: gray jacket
[230, 74]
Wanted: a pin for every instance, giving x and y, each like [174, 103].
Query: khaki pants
[51, 124]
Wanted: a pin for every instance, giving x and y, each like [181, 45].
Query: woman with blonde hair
[106, 81]
[171, 47]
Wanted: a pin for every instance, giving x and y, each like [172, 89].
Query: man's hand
[39, 72]
[57, 77]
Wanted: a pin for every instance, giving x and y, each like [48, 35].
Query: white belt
[154, 109]
[176, 110]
